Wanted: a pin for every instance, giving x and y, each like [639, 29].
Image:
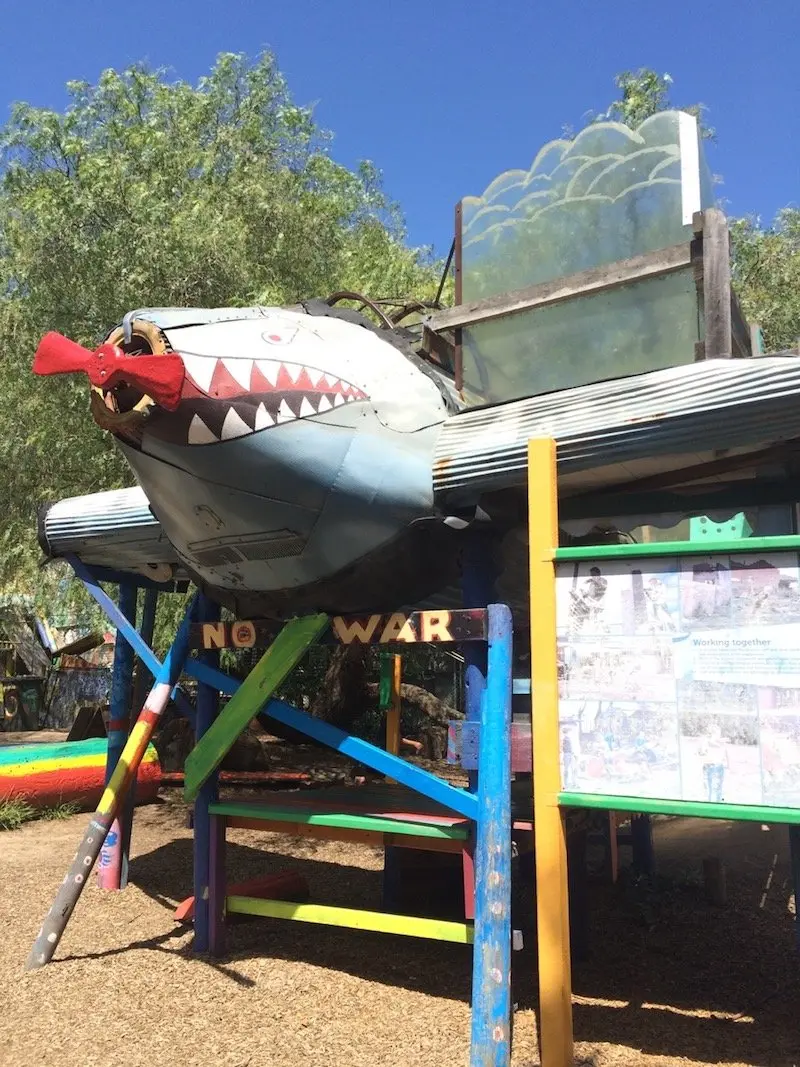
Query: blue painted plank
[490, 1036]
[129, 631]
[377, 759]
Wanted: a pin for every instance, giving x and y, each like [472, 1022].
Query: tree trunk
[419, 698]
[342, 697]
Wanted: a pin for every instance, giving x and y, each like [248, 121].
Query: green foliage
[765, 260]
[14, 812]
[59, 811]
[645, 93]
[150, 192]
[766, 274]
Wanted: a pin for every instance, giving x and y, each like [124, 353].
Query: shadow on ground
[668, 973]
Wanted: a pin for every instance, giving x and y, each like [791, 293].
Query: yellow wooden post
[555, 977]
[391, 674]
[393, 712]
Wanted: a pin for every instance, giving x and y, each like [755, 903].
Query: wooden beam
[373, 838]
[421, 781]
[458, 278]
[345, 820]
[410, 926]
[586, 282]
[716, 286]
[552, 897]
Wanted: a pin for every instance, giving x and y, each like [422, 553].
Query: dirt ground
[671, 980]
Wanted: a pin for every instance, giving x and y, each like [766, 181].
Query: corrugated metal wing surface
[114, 529]
[713, 405]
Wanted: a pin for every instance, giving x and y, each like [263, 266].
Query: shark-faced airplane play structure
[405, 473]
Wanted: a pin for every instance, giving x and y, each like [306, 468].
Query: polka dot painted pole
[110, 803]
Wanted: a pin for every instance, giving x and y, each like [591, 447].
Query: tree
[766, 274]
[149, 192]
[765, 260]
[645, 93]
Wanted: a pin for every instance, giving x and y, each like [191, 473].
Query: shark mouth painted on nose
[223, 399]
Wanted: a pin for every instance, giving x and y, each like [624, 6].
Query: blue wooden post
[490, 1042]
[794, 854]
[207, 705]
[110, 866]
[140, 690]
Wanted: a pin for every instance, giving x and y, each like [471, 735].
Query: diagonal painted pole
[71, 888]
[128, 630]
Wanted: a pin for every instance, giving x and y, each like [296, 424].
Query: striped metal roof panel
[718, 404]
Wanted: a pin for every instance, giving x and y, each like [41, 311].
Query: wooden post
[491, 967]
[217, 886]
[718, 340]
[794, 853]
[207, 705]
[714, 881]
[140, 688]
[644, 857]
[110, 866]
[71, 888]
[391, 675]
[552, 899]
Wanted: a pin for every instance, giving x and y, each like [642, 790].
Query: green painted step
[275, 665]
[384, 824]
[695, 809]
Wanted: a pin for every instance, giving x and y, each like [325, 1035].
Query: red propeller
[160, 377]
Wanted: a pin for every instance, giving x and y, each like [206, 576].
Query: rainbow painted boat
[70, 772]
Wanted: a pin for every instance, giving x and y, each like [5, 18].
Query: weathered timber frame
[725, 331]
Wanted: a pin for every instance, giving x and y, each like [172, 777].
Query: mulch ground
[671, 979]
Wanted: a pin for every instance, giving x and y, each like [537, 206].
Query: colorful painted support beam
[275, 665]
[690, 809]
[345, 820]
[285, 885]
[372, 838]
[491, 962]
[71, 888]
[389, 701]
[380, 922]
[71, 772]
[206, 714]
[377, 759]
[140, 646]
[552, 897]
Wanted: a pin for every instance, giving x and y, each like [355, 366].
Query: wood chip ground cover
[671, 981]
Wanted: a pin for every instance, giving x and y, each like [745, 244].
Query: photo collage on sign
[679, 678]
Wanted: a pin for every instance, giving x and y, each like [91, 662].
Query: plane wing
[609, 435]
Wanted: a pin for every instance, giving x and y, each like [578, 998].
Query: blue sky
[442, 95]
